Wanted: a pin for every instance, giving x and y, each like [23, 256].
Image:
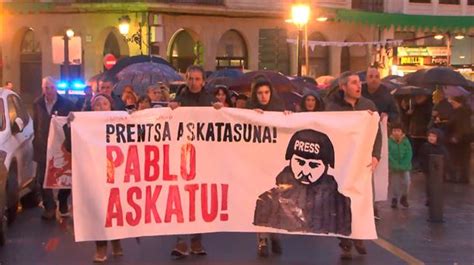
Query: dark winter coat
[118, 102]
[339, 104]
[399, 154]
[459, 126]
[384, 101]
[275, 103]
[295, 207]
[420, 119]
[428, 149]
[319, 101]
[189, 99]
[41, 120]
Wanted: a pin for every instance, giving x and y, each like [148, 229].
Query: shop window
[420, 1]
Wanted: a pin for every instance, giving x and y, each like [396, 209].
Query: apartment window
[470, 2]
[449, 2]
[420, 1]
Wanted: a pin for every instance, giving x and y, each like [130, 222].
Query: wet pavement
[406, 238]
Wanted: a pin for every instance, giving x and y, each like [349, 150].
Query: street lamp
[124, 27]
[300, 16]
[67, 36]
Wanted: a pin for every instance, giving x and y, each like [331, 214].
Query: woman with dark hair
[263, 98]
[222, 95]
[311, 101]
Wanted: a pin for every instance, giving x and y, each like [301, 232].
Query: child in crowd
[143, 102]
[400, 155]
[434, 146]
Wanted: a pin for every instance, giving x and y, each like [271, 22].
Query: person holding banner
[48, 104]
[100, 102]
[311, 101]
[193, 95]
[349, 98]
[263, 98]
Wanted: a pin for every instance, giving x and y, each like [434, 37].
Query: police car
[17, 169]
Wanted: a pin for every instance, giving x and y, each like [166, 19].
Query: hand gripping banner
[199, 170]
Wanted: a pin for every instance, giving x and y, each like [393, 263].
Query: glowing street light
[300, 14]
[124, 25]
[459, 36]
[439, 36]
[70, 33]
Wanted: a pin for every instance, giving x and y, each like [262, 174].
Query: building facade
[215, 33]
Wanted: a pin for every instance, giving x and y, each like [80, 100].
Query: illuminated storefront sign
[422, 51]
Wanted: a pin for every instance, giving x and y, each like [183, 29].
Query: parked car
[17, 169]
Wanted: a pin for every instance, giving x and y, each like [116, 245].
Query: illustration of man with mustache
[306, 198]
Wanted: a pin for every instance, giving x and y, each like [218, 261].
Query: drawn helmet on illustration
[310, 153]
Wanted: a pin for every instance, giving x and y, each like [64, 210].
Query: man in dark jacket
[48, 104]
[306, 198]
[107, 87]
[349, 98]
[193, 95]
[379, 94]
[459, 140]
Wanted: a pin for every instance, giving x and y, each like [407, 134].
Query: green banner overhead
[387, 20]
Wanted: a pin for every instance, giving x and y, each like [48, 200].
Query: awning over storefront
[386, 20]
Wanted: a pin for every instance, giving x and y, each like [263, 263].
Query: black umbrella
[415, 78]
[411, 91]
[444, 76]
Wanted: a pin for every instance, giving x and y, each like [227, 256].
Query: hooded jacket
[319, 101]
[295, 207]
[399, 154]
[428, 149]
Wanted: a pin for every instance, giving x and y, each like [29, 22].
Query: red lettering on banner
[138, 211]
[191, 189]
[150, 205]
[173, 206]
[114, 208]
[209, 213]
[132, 166]
[152, 157]
[225, 192]
[166, 164]
[188, 154]
[114, 159]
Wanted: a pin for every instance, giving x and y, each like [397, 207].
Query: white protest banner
[381, 172]
[58, 164]
[199, 170]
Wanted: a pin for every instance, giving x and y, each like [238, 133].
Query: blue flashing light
[61, 92]
[62, 85]
[78, 85]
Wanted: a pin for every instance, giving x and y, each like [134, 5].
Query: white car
[17, 169]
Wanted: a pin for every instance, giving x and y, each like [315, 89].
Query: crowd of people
[441, 126]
